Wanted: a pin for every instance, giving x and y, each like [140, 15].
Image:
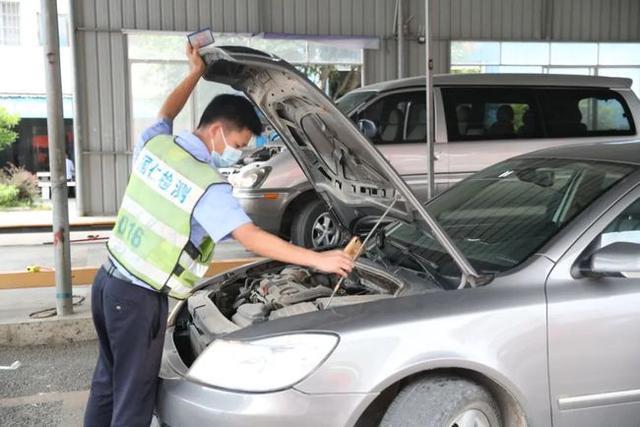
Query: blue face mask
[229, 157]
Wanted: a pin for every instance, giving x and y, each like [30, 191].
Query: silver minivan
[480, 120]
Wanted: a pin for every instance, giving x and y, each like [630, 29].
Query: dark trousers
[130, 322]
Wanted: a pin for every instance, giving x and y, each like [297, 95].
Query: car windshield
[501, 216]
[352, 100]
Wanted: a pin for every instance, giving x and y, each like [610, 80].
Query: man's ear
[212, 133]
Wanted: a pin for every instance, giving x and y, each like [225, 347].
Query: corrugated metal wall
[104, 89]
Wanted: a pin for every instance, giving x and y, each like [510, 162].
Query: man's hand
[196, 64]
[335, 261]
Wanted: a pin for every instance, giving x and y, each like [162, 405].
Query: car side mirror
[616, 258]
[368, 128]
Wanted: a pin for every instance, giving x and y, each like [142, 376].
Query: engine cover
[291, 286]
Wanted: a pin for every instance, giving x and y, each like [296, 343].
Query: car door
[594, 329]
[400, 120]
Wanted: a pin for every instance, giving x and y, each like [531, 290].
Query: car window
[490, 113]
[416, 122]
[353, 100]
[390, 114]
[570, 113]
[500, 216]
[625, 228]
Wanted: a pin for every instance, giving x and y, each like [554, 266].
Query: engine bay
[275, 291]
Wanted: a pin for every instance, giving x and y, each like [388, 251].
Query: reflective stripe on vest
[151, 235]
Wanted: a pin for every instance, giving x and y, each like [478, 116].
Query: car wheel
[443, 401]
[314, 227]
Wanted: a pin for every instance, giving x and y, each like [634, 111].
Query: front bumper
[265, 208]
[183, 403]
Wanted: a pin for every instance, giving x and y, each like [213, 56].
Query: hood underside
[343, 166]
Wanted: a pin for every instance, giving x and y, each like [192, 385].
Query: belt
[113, 271]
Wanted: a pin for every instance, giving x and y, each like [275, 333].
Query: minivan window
[398, 117]
[490, 113]
[353, 100]
[585, 112]
[511, 113]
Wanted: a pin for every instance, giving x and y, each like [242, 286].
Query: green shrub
[24, 181]
[8, 122]
[8, 195]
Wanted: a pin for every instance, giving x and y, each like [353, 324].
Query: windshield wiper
[362, 247]
[426, 265]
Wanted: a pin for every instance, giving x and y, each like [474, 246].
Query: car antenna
[360, 249]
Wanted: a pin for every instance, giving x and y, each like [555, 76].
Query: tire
[302, 227]
[441, 402]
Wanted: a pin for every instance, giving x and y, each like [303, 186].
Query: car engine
[283, 292]
[273, 291]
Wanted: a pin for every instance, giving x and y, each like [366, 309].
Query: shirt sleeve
[219, 213]
[160, 127]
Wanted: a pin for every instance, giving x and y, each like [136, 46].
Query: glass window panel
[603, 115]
[388, 114]
[490, 113]
[631, 73]
[294, 51]
[525, 53]
[150, 84]
[10, 23]
[223, 39]
[320, 53]
[475, 53]
[619, 54]
[154, 46]
[518, 69]
[625, 228]
[570, 70]
[466, 69]
[585, 112]
[574, 53]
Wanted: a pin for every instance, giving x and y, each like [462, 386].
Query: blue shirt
[216, 214]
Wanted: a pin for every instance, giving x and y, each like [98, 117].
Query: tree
[8, 122]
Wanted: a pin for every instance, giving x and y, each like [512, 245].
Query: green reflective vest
[150, 238]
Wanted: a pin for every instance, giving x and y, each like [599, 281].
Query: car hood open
[351, 175]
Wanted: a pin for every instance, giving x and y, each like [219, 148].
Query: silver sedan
[547, 331]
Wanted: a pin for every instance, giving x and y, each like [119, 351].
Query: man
[71, 173]
[176, 207]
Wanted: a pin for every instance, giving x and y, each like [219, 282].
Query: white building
[22, 78]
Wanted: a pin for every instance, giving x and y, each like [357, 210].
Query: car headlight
[250, 177]
[267, 364]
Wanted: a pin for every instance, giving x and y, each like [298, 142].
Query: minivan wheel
[443, 401]
[314, 227]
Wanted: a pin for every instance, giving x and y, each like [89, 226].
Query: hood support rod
[362, 247]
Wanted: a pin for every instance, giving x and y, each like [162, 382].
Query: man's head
[228, 120]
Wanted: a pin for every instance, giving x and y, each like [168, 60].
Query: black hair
[235, 110]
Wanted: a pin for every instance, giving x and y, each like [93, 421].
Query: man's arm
[174, 103]
[268, 245]
[220, 214]
[178, 97]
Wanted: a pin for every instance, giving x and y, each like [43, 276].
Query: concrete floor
[46, 389]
